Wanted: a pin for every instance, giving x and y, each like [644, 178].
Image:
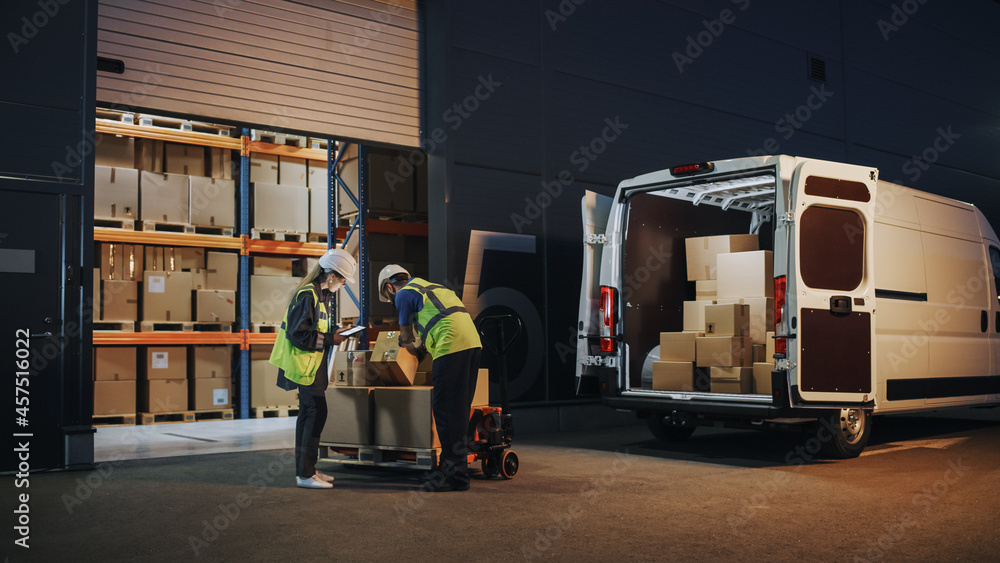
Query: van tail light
[780, 291]
[609, 318]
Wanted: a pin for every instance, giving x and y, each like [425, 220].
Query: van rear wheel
[667, 432]
[851, 429]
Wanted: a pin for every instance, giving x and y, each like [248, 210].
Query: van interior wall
[654, 282]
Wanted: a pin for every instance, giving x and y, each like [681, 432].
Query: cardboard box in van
[673, 376]
[724, 351]
[731, 319]
[732, 380]
[678, 346]
[745, 274]
[702, 253]
[694, 315]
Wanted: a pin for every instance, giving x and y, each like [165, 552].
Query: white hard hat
[340, 261]
[385, 275]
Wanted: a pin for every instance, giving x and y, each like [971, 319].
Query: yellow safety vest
[443, 324]
[300, 365]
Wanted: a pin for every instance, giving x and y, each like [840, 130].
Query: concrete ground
[925, 490]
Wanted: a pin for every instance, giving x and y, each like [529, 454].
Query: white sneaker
[323, 477]
[312, 483]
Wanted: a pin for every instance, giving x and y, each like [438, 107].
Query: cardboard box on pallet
[264, 391]
[746, 274]
[280, 208]
[265, 266]
[221, 270]
[114, 363]
[727, 320]
[351, 418]
[163, 198]
[165, 362]
[206, 394]
[162, 395]
[149, 155]
[213, 202]
[694, 315]
[317, 175]
[221, 163]
[673, 375]
[761, 315]
[724, 351]
[95, 304]
[678, 346]
[215, 305]
[114, 397]
[269, 297]
[319, 218]
[199, 279]
[351, 368]
[702, 253]
[184, 159]
[403, 417]
[114, 151]
[116, 193]
[189, 257]
[264, 168]
[762, 377]
[732, 379]
[166, 296]
[119, 301]
[395, 365]
[292, 171]
[122, 262]
[210, 362]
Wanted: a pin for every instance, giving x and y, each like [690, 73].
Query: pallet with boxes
[727, 341]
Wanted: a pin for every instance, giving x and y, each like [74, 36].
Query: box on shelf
[207, 393]
[221, 270]
[280, 208]
[115, 151]
[163, 395]
[264, 168]
[114, 363]
[114, 397]
[702, 253]
[184, 159]
[266, 266]
[269, 297]
[156, 259]
[163, 197]
[403, 417]
[213, 202]
[149, 155]
[317, 175]
[746, 274]
[215, 305]
[119, 301]
[189, 257]
[264, 391]
[762, 377]
[673, 376]
[731, 319]
[166, 296]
[210, 362]
[199, 279]
[351, 417]
[95, 303]
[732, 379]
[761, 313]
[694, 315]
[395, 365]
[678, 346]
[319, 218]
[116, 193]
[122, 262]
[292, 171]
[165, 362]
[724, 351]
[221, 163]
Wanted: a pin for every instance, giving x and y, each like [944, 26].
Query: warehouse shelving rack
[248, 246]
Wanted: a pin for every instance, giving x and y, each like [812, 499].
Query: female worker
[300, 352]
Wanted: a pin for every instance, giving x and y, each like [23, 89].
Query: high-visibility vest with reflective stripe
[443, 324]
[300, 365]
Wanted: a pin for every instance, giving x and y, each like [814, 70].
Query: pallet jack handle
[500, 349]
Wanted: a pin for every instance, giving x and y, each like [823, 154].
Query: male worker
[433, 317]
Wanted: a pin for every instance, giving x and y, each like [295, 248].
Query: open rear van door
[831, 287]
[596, 209]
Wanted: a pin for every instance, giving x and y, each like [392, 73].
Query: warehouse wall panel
[349, 70]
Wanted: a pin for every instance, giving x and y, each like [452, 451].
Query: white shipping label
[156, 284]
[161, 360]
[220, 396]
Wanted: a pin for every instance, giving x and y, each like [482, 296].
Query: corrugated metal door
[349, 70]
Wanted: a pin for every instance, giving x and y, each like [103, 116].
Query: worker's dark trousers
[454, 378]
[308, 427]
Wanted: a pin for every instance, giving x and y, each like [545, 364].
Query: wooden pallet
[316, 237]
[114, 420]
[166, 326]
[382, 456]
[209, 326]
[212, 230]
[116, 326]
[263, 328]
[184, 416]
[184, 125]
[273, 412]
[315, 143]
[167, 227]
[123, 224]
[287, 236]
[403, 216]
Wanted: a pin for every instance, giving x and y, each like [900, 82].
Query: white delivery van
[885, 299]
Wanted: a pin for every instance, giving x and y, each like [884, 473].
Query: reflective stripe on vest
[300, 365]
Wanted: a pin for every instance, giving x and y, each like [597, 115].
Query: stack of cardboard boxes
[280, 193]
[726, 343]
[382, 398]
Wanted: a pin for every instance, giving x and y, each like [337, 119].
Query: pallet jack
[492, 428]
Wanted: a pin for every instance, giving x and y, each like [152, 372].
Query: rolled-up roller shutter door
[348, 70]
